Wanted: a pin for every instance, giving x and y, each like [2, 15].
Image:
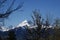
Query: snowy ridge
[2, 28]
[24, 23]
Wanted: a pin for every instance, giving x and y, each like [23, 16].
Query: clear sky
[51, 7]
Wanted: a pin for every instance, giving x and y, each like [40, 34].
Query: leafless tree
[37, 21]
[37, 18]
[9, 10]
[47, 22]
[57, 23]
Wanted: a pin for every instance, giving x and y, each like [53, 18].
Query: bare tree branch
[9, 10]
[18, 7]
[33, 20]
[1, 3]
[37, 19]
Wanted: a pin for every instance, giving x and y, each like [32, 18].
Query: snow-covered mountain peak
[2, 28]
[24, 23]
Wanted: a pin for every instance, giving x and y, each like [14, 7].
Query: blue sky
[50, 7]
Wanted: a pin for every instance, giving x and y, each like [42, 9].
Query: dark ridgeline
[0, 38]
[11, 35]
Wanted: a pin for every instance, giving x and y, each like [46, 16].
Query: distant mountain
[25, 23]
[2, 28]
[21, 31]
